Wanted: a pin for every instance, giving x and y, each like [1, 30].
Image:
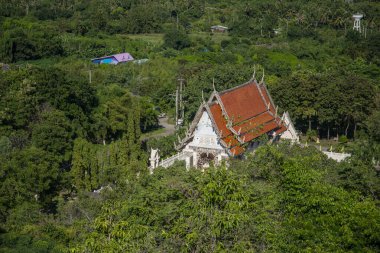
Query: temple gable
[205, 135]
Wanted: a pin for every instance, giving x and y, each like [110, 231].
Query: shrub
[343, 139]
[311, 135]
[176, 39]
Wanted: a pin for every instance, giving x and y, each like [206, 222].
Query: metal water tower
[357, 18]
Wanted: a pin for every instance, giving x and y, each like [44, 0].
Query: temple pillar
[219, 159]
[188, 162]
[195, 158]
[152, 165]
[154, 160]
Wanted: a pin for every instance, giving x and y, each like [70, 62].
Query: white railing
[170, 160]
[337, 156]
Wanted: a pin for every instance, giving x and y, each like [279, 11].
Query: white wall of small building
[291, 132]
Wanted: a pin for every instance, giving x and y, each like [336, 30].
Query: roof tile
[243, 103]
[219, 119]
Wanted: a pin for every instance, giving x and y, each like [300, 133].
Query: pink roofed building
[113, 59]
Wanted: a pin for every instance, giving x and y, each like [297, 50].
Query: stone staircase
[171, 160]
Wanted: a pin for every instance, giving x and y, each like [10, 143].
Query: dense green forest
[69, 128]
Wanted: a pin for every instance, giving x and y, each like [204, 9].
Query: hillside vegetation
[73, 166]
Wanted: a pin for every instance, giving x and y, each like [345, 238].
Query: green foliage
[26, 175]
[164, 144]
[231, 210]
[5, 145]
[177, 39]
[341, 102]
[62, 136]
[343, 139]
[265, 163]
[29, 44]
[312, 135]
[292, 189]
[53, 133]
[309, 208]
[97, 165]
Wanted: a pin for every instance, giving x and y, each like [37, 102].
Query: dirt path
[164, 129]
[169, 128]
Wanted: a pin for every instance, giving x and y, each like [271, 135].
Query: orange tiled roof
[238, 150]
[267, 99]
[253, 122]
[243, 102]
[247, 108]
[281, 129]
[258, 131]
[220, 120]
[231, 141]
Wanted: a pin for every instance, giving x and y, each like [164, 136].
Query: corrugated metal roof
[123, 57]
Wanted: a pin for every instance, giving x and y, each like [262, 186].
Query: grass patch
[215, 37]
[152, 133]
[154, 38]
[291, 59]
[158, 38]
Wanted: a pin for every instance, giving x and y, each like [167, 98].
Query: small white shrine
[291, 132]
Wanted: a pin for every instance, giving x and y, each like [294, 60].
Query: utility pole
[176, 107]
[177, 20]
[181, 98]
[89, 76]
[179, 108]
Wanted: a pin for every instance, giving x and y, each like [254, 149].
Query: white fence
[337, 156]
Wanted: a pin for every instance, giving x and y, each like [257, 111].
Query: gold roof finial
[254, 73]
[262, 78]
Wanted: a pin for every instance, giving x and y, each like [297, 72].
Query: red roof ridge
[220, 102]
[268, 94]
[212, 119]
[237, 87]
[261, 93]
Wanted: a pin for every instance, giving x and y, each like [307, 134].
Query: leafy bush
[311, 135]
[177, 39]
[343, 139]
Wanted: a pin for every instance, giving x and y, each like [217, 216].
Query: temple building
[231, 123]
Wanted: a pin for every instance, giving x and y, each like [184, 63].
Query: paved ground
[169, 128]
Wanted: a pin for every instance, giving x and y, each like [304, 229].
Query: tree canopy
[75, 136]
